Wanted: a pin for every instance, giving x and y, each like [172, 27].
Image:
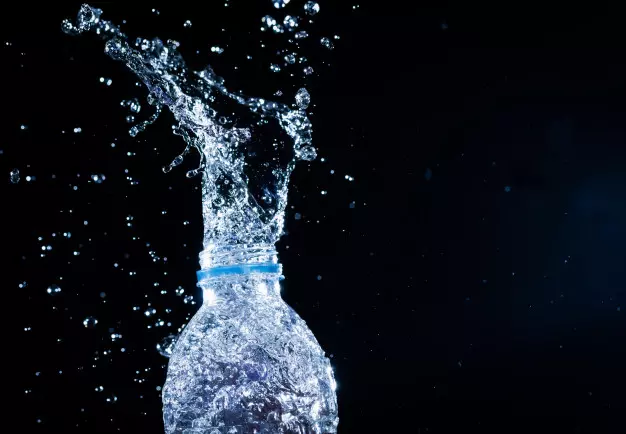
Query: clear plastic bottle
[247, 363]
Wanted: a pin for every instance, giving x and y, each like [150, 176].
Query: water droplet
[311, 8]
[23, 127]
[274, 67]
[269, 20]
[278, 4]
[307, 153]
[53, 289]
[352, 204]
[187, 24]
[297, 216]
[134, 106]
[77, 130]
[98, 178]
[87, 16]
[216, 49]
[290, 58]
[130, 119]
[290, 22]
[166, 346]
[303, 99]
[319, 277]
[90, 322]
[14, 176]
[308, 70]
[507, 189]
[327, 43]
[302, 35]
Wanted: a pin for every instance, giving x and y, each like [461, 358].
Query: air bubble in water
[303, 99]
[166, 346]
[53, 289]
[311, 8]
[90, 322]
[14, 176]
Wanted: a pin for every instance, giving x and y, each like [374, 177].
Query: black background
[448, 304]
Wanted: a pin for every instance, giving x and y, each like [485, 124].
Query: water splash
[245, 162]
[246, 362]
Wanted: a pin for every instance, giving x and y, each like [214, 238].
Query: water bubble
[187, 24]
[308, 70]
[274, 67]
[290, 22]
[166, 346]
[90, 322]
[311, 8]
[303, 99]
[302, 35]
[327, 43]
[278, 4]
[53, 289]
[14, 176]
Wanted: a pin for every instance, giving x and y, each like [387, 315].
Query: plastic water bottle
[247, 363]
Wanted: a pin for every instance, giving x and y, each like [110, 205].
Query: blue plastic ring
[263, 267]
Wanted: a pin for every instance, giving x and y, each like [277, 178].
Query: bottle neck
[233, 255]
[239, 272]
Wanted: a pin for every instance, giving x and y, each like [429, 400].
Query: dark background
[476, 286]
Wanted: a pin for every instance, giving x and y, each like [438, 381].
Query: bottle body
[247, 363]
